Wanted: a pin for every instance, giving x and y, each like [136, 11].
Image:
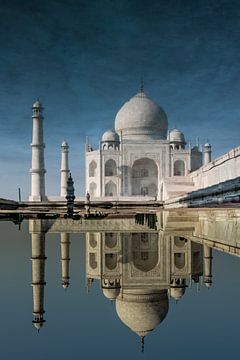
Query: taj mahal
[139, 159]
[136, 157]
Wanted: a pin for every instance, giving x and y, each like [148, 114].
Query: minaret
[207, 251]
[38, 277]
[207, 151]
[37, 170]
[64, 168]
[65, 249]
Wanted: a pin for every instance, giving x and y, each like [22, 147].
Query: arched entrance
[110, 168]
[110, 189]
[92, 189]
[144, 177]
[179, 168]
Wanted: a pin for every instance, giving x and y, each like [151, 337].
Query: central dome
[141, 118]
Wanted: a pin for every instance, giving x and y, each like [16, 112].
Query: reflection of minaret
[64, 168]
[207, 265]
[37, 170]
[65, 248]
[38, 268]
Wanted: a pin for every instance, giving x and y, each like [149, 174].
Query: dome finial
[142, 342]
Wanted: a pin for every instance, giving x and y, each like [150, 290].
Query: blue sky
[84, 59]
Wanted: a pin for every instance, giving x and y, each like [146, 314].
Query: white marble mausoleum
[140, 154]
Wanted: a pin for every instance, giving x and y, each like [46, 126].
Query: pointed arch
[144, 177]
[110, 168]
[93, 189]
[92, 168]
[179, 168]
[110, 189]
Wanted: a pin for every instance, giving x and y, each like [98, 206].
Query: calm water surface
[108, 292]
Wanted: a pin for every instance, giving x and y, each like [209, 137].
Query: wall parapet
[224, 168]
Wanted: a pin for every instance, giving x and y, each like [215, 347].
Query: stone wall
[226, 167]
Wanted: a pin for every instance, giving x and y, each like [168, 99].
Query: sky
[85, 59]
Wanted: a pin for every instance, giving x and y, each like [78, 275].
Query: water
[143, 266]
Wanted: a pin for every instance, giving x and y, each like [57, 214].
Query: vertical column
[64, 168]
[65, 259]
[38, 277]
[207, 251]
[37, 170]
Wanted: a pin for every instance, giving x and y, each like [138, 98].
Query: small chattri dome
[37, 104]
[141, 118]
[176, 136]
[64, 143]
[207, 144]
[110, 135]
[111, 294]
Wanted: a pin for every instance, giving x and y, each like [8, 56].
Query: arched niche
[110, 189]
[92, 168]
[179, 241]
[144, 177]
[179, 260]
[92, 240]
[92, 189]
[179, 168]
[110, 168]
[111, 261]
[110, 240]
[92, 260]
[145, 251]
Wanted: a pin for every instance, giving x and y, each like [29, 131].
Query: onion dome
[141, 118]
[110, 135]
[176, 136]
[142, 312]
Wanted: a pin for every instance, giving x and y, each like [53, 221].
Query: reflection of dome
[141, 117]
[142, 312]
[38, 324]
[111, 294]
[65, 285]
[177, 292]
[176, 136]
[110, 135]
[208, 284]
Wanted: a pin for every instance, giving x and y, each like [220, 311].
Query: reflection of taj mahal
[140, 157]
[140, 271]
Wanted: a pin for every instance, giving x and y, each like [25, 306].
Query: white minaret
[65, 259]
[37, 170]
[207, 151]
[64, 168]
[38, 279]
